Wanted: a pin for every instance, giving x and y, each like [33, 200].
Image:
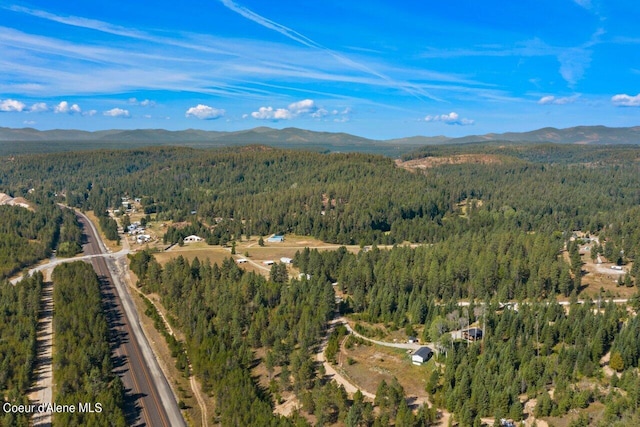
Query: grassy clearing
[370, 364]
[215, 254]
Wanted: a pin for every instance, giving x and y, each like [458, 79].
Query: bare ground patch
[370, 364]
[431, 162]
[600, 276]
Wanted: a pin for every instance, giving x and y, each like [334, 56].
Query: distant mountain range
[266, 135]
[64, 140]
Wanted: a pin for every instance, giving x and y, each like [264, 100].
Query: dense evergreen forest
[489, 232]
[82, 357]
[28, 236]
[345, 198]
[527, 351]
[228, 314]
[19, 306]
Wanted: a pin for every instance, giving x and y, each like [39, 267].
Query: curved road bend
[149, 399]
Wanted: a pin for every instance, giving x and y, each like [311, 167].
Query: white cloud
[300, 107]
[268, 113]
[117, 112]
[204, 112]
[8, 105]
[295, 109]
[624, 100]
[64, 108]
[90, 113]
[550, 99]
[29, 122]
[451, 119]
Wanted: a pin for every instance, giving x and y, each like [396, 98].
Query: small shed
[421, 355]
[472, 334]
[268, 262]
[241, 260]
[286, 260]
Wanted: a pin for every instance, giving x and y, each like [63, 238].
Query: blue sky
[379, 69]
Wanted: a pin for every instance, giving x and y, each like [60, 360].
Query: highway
[149, 399]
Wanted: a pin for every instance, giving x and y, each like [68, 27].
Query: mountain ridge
[574, 135]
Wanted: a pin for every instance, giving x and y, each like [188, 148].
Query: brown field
[215, 254]
[256, 254]
[374, 363]
[431, 162]
[601, 276]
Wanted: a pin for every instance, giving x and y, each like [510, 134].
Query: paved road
[150, 400]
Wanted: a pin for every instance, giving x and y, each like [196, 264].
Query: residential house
[421, 355]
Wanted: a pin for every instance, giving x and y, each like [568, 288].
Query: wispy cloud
[451, 119]
[584, 3]
[204, 112]
[306, 41]
[573, 61]
[39, 107]
[199, 63]
[143, 103]
[624, 100]
[550, 99]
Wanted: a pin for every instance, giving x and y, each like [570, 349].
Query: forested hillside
[343, 198]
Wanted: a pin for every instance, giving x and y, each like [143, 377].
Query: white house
[143, 238]
[276, 238]
[286, 260]
[421, 355]
[193, 238]
[241, 260]
[268, 262]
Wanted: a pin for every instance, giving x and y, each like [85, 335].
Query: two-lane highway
[150, 401]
